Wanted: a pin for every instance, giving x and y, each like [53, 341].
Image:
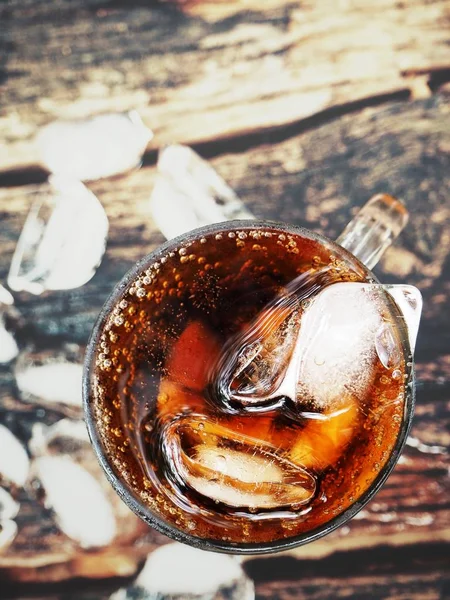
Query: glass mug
[249, 385]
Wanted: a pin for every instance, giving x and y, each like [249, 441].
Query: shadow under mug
[125, 491]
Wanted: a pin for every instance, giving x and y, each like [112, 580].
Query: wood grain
[306, 109]
[208, 71]
[316, 178]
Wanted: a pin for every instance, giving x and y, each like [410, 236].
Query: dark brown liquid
[205, 454]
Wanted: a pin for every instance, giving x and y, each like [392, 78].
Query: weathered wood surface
[210, 70]
[317, 179]
[263, 87]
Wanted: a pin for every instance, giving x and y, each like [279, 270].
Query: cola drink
[247, 385]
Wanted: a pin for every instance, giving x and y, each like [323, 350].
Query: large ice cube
[315, 352]
[189, 193]
[256, 364]
[82, 509]
[179, 572]
[89, 149]
[233, 468]
[62, 241]
[336, 347]
[55, 382]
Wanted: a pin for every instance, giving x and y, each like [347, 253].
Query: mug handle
[374, 228]
[368, 235]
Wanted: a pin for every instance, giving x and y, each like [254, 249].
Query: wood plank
[207, 70]
[315, 178]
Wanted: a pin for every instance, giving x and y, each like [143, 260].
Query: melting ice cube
[188, 193]
[232, 468]
[200, 575]
[82, 508]
[335, 349]
[254, 365]
[51, 377]
[62, 241]
[94, 148]
[314, 353]
[67, 435]
[52, 383]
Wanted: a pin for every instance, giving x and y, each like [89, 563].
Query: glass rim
[134, 502]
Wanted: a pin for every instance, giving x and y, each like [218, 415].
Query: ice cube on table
[83, 511]
[67, 435]
[52, 382]
[232, 468]
[252, 373]
[189, 193]
[179, 572]
[94, 148]
[62, 241]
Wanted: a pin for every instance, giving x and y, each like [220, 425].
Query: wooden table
[306, 109]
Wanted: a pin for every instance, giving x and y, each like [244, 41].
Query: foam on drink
[247, 385]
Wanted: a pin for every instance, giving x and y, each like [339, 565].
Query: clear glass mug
[359, 247]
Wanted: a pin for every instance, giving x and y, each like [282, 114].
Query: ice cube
[255, 370]
[82, 509]
[179, 572]
[63, 239]
[315, 351]
[50, 383]
[409, 301]
[94, 148]
[188, 193]
[233, 468]
[256, 365]
[335, 350]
